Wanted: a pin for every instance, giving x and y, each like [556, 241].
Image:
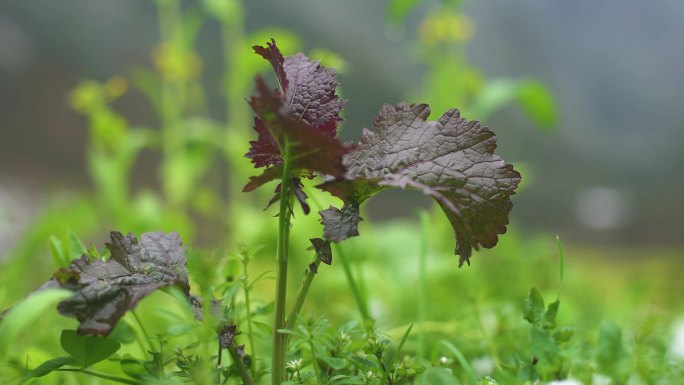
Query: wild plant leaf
[308, 91]
[88, 350]
[533, 307]
[311, 149]
[340, 224]
[105, 290]
[322, 248]
[48, 367]
[451, 160]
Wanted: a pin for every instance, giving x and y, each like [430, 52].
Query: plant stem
[219, 359]
[100, 375]
[301, 295]
[314, 360]
[356, 291]
[144, 333]
[280, 339]
[250, 333]
[422, 282]
[240, 366]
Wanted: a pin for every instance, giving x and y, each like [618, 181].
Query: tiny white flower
[443, 360]
[295, 364]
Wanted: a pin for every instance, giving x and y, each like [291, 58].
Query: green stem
[301, 295]
[240, 366]
[314, 360]
[360, 299]
[280, 339]
[422, 282]
[144, 333]
[101, 375]
[250, 333]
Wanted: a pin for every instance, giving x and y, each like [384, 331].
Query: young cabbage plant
[451, 160]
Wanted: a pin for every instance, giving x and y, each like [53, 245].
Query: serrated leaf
[323, 250]
[87, 350]
[104, 291]
[308, 90]
[451, 160]
[339, 225]
[48, 367]
[311, 149]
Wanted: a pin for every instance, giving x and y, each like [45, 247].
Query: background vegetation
[165, 136]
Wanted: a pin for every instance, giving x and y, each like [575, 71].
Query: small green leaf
[533, 308]
[48, 367]
[543, 345]
[563, 334]
[57, 251]
[334, 362]
[76, 248]
[538, 103]
[550, 314]
[132, 367]
[437, 376]
[88, 350]
[364, 363]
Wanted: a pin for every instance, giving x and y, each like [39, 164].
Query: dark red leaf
[451, 160]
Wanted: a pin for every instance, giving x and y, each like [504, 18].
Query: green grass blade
[25, 313]
[395, 354]
[462, 360]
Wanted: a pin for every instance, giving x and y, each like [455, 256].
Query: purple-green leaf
[105, 290]
[311, 150]
[451, 160]
[308, 92]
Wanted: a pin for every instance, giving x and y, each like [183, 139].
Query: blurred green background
[131, 115]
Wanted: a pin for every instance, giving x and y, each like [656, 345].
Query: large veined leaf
[303, 113]
[451, 160]
[104, 290]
